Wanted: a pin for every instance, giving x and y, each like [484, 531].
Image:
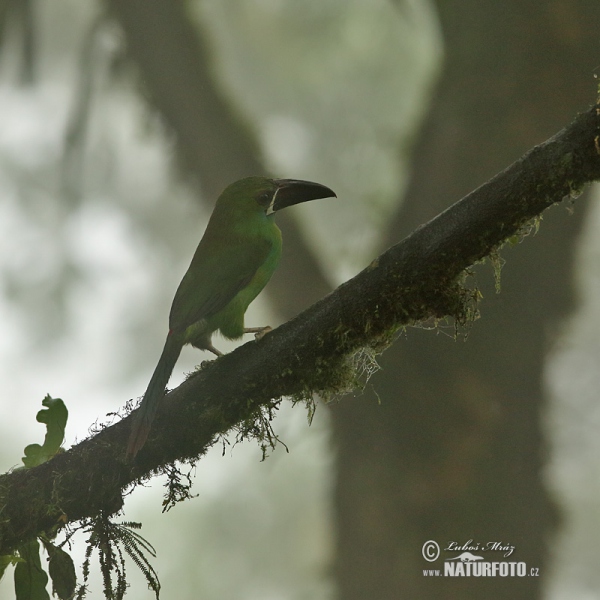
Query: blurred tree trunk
[454, 451]
[214, 145]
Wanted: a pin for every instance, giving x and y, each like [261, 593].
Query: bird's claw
[260, 334]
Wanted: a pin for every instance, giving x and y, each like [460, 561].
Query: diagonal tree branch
[413, 280]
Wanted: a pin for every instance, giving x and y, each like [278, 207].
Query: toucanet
[234, 261]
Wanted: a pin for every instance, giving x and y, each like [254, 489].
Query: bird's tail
[154, 393]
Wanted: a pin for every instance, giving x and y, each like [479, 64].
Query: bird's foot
[212, 349]
[259, 332]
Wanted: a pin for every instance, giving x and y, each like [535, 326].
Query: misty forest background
[122, 120]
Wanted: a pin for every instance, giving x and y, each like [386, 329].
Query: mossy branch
[417, 279]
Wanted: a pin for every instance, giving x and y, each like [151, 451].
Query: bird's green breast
[230, 320]
[245, 256]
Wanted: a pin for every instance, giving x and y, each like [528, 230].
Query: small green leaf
[7, 559]
[62, 571]
[55, 417]
[30, 578]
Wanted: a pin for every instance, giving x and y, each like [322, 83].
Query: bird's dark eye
[264, 199]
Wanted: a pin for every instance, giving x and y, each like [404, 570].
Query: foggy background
[107, 176]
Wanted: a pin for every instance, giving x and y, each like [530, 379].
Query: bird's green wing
[213, 280]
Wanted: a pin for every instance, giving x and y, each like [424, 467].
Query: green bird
[234, 261]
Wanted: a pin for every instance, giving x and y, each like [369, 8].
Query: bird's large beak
[294, 191]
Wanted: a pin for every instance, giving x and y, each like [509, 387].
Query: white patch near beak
[270, 209]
